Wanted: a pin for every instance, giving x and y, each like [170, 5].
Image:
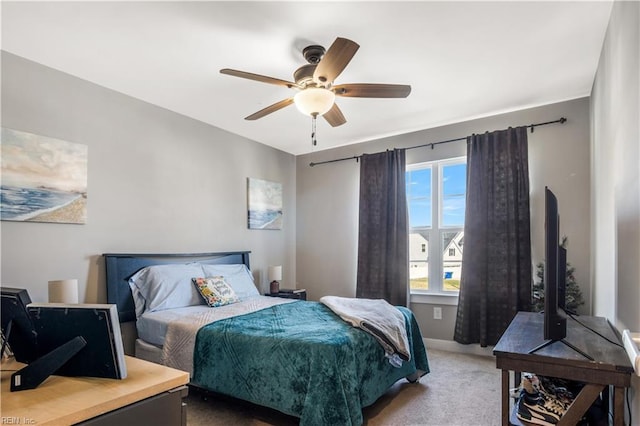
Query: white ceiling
[463, 59]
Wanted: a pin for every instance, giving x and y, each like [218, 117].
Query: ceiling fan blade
[258, 77]
[365, 90]
[271, 108]
[334, 116]
[335, 60]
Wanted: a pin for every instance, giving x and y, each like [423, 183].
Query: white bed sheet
[152, 326]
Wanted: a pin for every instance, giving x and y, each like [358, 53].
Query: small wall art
[264, 204]
[43, 179]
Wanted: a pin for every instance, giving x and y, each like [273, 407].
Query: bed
[297, 357]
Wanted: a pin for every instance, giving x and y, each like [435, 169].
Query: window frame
[436, 293]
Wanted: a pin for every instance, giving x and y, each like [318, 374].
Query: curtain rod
[561, 120]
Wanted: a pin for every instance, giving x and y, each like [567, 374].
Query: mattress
[148, 352]
[152, 326]
[174, 330]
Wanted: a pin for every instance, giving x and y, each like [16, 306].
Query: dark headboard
[121, 266]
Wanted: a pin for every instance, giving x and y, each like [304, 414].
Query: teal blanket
[303, 360]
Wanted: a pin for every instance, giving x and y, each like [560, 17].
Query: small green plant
[573, 292]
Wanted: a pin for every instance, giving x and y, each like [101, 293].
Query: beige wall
[157, 182]
[615, 168]
[327, 199]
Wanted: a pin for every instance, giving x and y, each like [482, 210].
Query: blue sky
[419, 195]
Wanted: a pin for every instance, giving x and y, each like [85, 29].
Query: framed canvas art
[43, 179]
[264, 204]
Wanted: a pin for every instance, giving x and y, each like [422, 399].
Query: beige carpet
[460, 390]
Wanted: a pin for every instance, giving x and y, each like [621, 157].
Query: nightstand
[290, 294]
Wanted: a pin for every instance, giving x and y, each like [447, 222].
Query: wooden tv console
[151, 394]
[610, 366]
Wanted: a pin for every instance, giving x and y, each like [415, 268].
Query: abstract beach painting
[43, 179]
[264, 204]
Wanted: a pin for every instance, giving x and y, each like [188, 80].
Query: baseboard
[451, 346]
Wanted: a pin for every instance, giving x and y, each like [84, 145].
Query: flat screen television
[562, 280]
[62, 339]
[555, 279]
[555, 319]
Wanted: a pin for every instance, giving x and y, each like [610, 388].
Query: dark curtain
[496, 267]
[383, 248]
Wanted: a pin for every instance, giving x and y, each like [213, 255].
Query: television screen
[555, 321]
[562, 280]
[555, 278]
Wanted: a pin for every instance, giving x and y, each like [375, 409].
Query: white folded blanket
[377, 317]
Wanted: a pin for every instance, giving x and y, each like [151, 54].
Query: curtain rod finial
[563, 120]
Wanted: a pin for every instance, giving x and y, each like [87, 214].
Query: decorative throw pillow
[215, 291]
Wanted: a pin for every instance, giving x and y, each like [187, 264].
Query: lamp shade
[314, 100]
[275, 273]
[63, 291]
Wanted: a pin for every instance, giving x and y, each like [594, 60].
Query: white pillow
[166, 287]
[237, 276]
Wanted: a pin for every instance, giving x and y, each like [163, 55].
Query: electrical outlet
[437, 313]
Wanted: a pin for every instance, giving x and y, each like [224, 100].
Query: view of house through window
[436, 194]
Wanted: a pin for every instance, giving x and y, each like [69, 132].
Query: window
[436, 194]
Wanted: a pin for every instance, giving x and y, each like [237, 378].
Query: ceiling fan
[315, 82]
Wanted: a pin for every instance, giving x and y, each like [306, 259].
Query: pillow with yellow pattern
[215, 291]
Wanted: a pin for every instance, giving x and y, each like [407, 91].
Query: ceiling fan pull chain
[313, 130]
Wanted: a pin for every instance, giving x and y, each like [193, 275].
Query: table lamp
[63, 291]
[275, 275]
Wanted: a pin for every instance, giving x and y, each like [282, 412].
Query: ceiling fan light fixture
[315, 84]
[314, 100]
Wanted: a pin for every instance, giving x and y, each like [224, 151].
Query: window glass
[436, 194]
[452, 261]
[418, 184]
[419, 260]
[454, 190]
